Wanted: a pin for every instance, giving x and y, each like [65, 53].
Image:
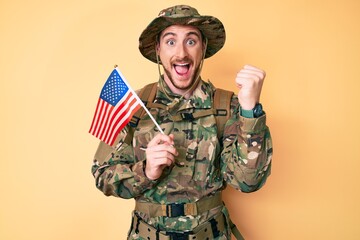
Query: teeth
[182, 68]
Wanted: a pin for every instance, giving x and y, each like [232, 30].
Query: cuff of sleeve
[139, 175]
[247, 113]
[251, 125]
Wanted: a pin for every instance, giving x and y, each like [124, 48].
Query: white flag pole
[139, 100]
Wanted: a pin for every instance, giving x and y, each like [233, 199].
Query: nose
[182, 51]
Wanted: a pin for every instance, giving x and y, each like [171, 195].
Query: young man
[176, 178]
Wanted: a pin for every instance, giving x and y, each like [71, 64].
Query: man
[176, 178]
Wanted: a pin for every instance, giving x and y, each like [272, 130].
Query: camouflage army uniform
[204, 166]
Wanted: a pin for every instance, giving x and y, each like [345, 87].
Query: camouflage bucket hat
[210, 27]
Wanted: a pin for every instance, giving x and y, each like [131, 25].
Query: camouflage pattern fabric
[205, 165]
[209, 26]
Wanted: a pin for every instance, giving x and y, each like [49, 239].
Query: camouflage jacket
[205, 164]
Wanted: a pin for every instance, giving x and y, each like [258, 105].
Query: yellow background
[56, 55]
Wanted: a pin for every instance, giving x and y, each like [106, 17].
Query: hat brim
[211, 28]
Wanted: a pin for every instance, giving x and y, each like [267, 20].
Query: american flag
[116, 106]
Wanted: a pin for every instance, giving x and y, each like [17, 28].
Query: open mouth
[182, 69]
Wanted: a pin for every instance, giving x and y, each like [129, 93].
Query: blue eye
[191, 42]
[170, 42]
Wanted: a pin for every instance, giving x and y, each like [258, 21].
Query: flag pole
[139, 100]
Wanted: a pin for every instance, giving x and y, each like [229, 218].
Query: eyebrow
[188, 34]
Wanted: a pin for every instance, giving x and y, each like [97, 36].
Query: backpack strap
[147, 95]
[235, 231]
[221, 104]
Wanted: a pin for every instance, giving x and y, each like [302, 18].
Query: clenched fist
[249, 81]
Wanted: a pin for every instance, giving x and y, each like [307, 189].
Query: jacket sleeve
[247, 151]
[116, 171]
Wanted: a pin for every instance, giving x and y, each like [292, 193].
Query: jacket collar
[201, 98]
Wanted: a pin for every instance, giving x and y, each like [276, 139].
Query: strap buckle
[180, 209]
[187, 116]
[178, 236]
[134, 121]
[175, 209]
[221, 112]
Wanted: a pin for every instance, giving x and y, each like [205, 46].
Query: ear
[204, 45]
[157, 47]
[157, 52]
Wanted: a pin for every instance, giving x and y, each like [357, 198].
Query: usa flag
[116, 106]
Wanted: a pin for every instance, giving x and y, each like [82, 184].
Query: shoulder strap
[221, 103]
[235, 231]
[147, 95]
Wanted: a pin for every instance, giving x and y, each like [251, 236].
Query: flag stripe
[108, 109]
[122, 121]
[98, 116]
[117, 111]
[127, 120]
[105, 111]
[95, 116]
[119, 114]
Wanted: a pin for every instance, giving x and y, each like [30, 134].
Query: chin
[183, 84]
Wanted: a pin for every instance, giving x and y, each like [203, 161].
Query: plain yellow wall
[56, 55]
